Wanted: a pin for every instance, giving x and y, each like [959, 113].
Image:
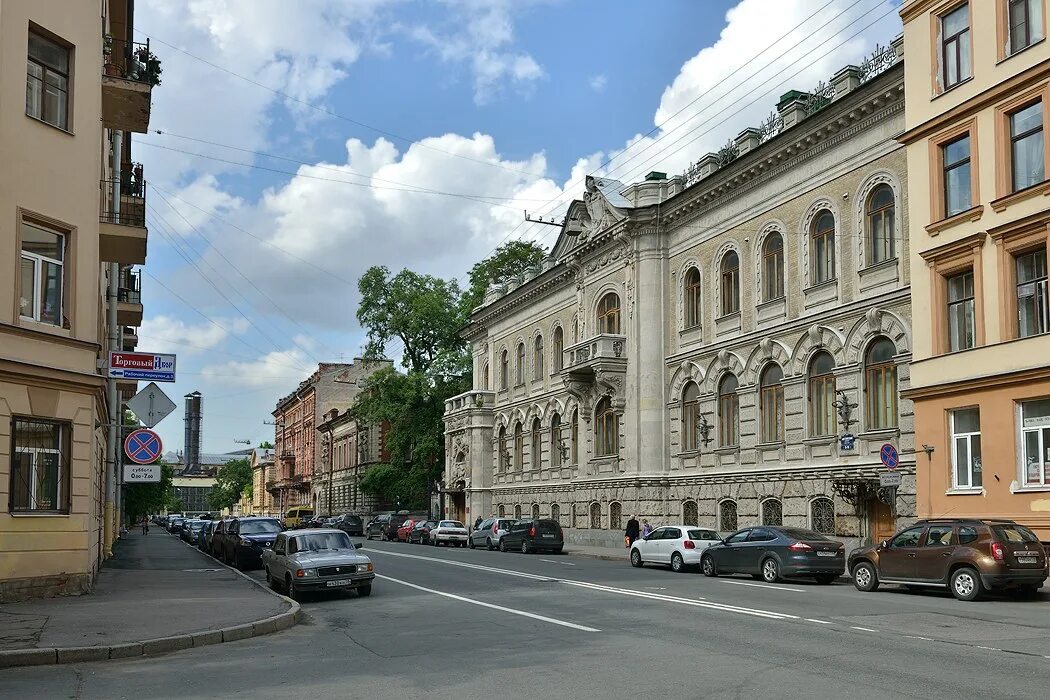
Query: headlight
[305, 573]
[363, 568]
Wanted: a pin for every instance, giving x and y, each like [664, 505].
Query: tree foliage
[230, 482]
[265, 445]
[506, 262]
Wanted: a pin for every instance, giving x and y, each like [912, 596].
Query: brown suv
[969, 556]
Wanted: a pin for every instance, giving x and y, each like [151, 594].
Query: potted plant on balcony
[109, 66]
[150, 66]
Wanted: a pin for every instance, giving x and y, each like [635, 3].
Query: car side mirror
[359, 546]
[883, 545]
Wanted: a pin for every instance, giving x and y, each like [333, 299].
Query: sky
[294, 145]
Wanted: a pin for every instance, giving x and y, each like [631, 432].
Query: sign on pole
[143, 446]
[889, 456]
[141, 473]
[890, 479]
[151, 405]
[142, 365]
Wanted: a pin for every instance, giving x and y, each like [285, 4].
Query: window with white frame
[966, 448]
[1035, 442]
[40, 463]
[42, 278]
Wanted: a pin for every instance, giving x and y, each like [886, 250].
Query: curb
[12, 658]
[603, 557]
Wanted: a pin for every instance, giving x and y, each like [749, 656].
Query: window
[557, 445]
[822, 516]
[690, 417]
[740, 536]
[504, 370]
[537, 358]
[40, 462]
[517, 512]
[773, 267]
[606, 430]
[574, 437]
[772, 512]
[966, 448]
[727, 516]
[519, 446]
[730, 275]
[521, 364]
[1027, 155]
[47, 81]
[557, 349]
[822, 248]
[955, 159]
[1032, 316]
[535, 511]
[43, 254]
[555, 512]
[485, 377]
[615, 516]
[693, 311]
[609, 314]
[1025, 23]
[1035, 440]
[955, 47]
[822, 395]
[967, 534]
[596, 516]
[690, 513]
[880, 217]
[728, 412]
[939, 536]
[536, 449]
[961, 319]
[771, 403]
[908, 538]
[502, 510]
[881, 385]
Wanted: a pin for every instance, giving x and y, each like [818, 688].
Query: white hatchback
[680, 546]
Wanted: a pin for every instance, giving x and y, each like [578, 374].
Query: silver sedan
[318, 559]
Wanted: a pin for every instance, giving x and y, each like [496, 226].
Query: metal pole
[113, 443]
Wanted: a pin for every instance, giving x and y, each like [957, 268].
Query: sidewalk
[155, 594]
[607, 553]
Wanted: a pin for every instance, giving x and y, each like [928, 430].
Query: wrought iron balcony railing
[131, 60]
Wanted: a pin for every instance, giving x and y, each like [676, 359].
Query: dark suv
[245, 539]
[531, 535]
[968, 556]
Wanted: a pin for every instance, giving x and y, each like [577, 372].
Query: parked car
[420, 533]
[317, 560]
[175, 525]
[680, 546]
[204, 538]
[769, 553]
[529, 535]
[449, 532]
[353, 525]
[191, 530]
[246, 539]
[376, 527]
[215, 541]
[489, 533]
[296, 516]
[401, 533]
[968, 556]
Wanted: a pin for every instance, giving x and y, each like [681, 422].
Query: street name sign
[889, 479]
[889, 456]
[149, 366]
[141, 473]
[151, 405]
[143, 446]
[847, 441]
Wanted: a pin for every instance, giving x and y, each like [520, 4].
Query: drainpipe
[113, 443]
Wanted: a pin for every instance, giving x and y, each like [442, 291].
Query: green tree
[230, 482]
[146, 499]
[506, 262]
[265, 445]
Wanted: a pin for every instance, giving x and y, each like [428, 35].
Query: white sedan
[450, 532]
[678, 545]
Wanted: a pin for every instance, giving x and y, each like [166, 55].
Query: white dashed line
[988, 648]
[862, 629]
[819, 622]
[766, 585]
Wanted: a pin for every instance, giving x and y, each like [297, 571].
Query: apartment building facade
[349, 448]
[978, 82]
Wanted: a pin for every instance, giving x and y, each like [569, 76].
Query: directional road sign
[151, 405]
[888, 455]
[143, 446]
[142, 365]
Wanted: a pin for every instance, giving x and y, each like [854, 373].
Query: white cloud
[597, 82]
[274, 369]
[169, 334]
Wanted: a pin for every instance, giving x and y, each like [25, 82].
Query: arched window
[771, 403]
[822, 395]
[727, 516]
[880, 215]
[556, 441]
[772, 512]
[555, 512]
[536, 450]
[521, 364]
[880, 374]
[557, 349]
[728, 412]
[693, 311]
[517, 512]
[822, 248]
[504, 370]
[485, 377]
[574, 437]
[690, 417]
[502, 511]
[537, 358]
[535, 511]
[575, 329]
[502, 449]
[822, 516]
[615, 516]
[596, 516]
[519, 446]
[606, 430]
[772, 267]
[609, 314]
[690, 513]
[730, 276]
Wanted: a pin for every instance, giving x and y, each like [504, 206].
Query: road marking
[925, 639]
[549, 561]
[819, 622]
[766, 585]
[508, 572]
[989, 648]
[862, 629]
[491, 606]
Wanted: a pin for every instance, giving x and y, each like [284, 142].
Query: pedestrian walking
[647, 529]
[145, 525]
[631, 533]
[477, 523]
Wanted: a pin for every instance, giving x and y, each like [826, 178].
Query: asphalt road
[456, 623]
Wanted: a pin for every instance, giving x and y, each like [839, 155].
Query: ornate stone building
[349, 448]
[724, 348]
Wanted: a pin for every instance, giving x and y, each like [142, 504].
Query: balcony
[288, 457]
[470, 399]
[122, 218]
[129, 299]
[597, 366]
[131, 338]
[129, 73]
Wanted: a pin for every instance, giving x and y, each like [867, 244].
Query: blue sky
[251, 273]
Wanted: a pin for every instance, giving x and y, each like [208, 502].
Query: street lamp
[704, 429]
[845, 410]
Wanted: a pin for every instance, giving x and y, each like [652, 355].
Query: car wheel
[470, 543]
[364, 591]
[524, 546]
[770, 570]
[707, 566]
[290, 589]
[965, 584]
[636, 558]
[269, 580]
[488, 543]
[502, 546]
[825, 579]
[864, 577]
[677, 563]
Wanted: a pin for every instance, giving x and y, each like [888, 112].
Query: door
[897, 560]
[669, 542]
[752, 552]
[651, 547]
[881, 522]
[934, 556]
[727, 557]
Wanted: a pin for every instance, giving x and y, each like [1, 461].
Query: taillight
[532, 532]
[495, 528]
[997, 551]
[689, 544]
[800, 547]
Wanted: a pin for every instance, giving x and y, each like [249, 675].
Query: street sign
[141, 473]
[847, 442]
[151, 405]
[143, 446]
[889, 479]
[888, 455]
[149, 366]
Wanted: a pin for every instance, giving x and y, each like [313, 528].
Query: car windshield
[800, 534]
[259, 527]
[322, 541]
[450, 523]
[1014, 533]
[197, 525]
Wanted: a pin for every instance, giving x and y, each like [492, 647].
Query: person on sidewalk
[477, 523]
[647, 529]
[631, 533]
[145, 525]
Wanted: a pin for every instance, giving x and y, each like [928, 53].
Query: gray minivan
[489, 533]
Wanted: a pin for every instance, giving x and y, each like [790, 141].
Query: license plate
[550, 536]
[1027, 560]
[338, 582]
[825, 554]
